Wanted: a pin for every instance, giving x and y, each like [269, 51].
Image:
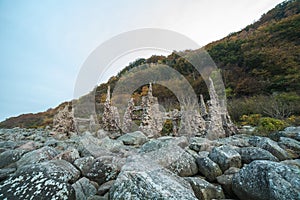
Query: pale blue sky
[44, 43]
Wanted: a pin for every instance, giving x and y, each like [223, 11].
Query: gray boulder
[105, 187]
[226, 157]
[165, 141]
[37, 156]
[207, 167]
[205, 190]
[291, 145]
[175, 159]
[273, 148]
[249, 154]
[84, 164]
[69, 155]
[141, 178]
[35, 186]
[58, 169]
[136, 138]
[267, 180]
[84, 188]
[104, 169]
[9, 157]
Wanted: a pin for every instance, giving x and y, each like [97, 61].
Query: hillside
[260, 66]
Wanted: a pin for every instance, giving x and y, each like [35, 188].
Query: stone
[37, 156]
[111, 145]
[105, 187]
[290, 145]
[128, 124]
[8, 144]
[35, 186]
[9, 157]
[192, 124]
[84, 188]
[136, 138]
[208, 168]
[175, 159]
[111, 117]
[58, 169]
[29, 146]
[226, 182]
[249, 154]
[267, 180]
[155, 144]
[63, 121]
[84, 164]
[152, 117]
[69, 155]
[225, 157]
[140, 178]
[104, 169]
[295, 163]
[273, 148]
[6, 172]
[289, 132]
[201, 144]
[205, 190]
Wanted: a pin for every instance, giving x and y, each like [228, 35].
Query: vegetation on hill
[260, 67]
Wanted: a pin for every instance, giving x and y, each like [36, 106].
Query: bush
[167, 127]
[268, 125]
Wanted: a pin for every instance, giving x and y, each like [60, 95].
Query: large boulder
[136, 138]
[84, 188]
[140, 178]
[205, 190]
[69, 155]
[291, 145]
[104, 169]
[226, 157]
[267, 180]
[155, 144]
[37, 156]
[249, 154]
[8, 158]
[207, 167]
[58, 169]
[35, 186]
[84, 164]
[175, 159]
[273, 148]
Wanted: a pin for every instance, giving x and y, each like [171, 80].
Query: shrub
[268, 125]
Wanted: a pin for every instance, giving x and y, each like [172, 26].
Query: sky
[43, 44]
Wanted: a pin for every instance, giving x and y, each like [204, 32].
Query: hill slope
[257, 62]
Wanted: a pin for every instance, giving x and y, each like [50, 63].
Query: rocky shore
[36, 165]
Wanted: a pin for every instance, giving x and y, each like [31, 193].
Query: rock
[84, 164]
[208, 168]
[104, 169]
[104, 188]
[29, 146]
[63, 121]
[58, 169]
[84, 189]
[201, 144]
[6, 172]
[290, 145]
[140, 178]
[9, 157]
[249, 154]
[225, 157]
[205, 190]
[273, 148]
[8, 144]
[289, 132]
[175, 159]
[35, 186]
[267, 180]
[155, 144]
[91, 146]
[97, 197]
[226, 182]
[37, 156]
[295, 163]
[112, 145]
[70, 155]
[240, 140]
[136, 138]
